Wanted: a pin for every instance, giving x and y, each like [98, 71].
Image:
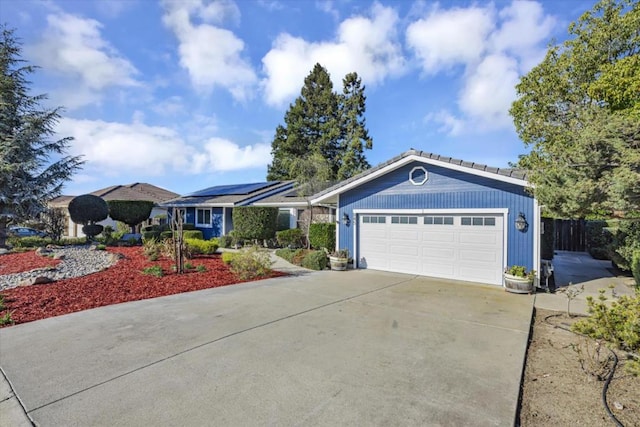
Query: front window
[203, 218]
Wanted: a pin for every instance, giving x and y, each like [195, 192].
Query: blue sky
[187, 94]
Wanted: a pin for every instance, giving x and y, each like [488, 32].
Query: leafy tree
[322, 123]
[131, 212]
[579, 112]
[28, 175]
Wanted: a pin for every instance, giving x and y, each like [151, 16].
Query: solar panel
[232, 189]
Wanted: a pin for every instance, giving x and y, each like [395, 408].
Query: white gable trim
[421, 159]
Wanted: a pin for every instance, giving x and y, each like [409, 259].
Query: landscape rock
[76, 261]
[42, 251]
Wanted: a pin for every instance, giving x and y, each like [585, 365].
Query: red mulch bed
[17, 263]
[122, 282]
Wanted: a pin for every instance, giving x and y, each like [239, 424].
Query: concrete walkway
[323, 348]
[580, 269]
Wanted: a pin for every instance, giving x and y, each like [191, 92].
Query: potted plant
[339, 259]
[518, 280]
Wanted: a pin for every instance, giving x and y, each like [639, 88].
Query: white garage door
[453, 246]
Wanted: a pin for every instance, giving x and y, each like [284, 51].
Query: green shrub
[187, 226]
[635, 266]
[228, 257]
[72, 241]
[599, 253]
[323, 235]
[251, 263]
[225, 241]
[315, 260]
[192, 234]
[547, 239]
[166, 235]
[101, 247]
[152, 249]
[156, 270]
[150, 235]
[626, 240]
[291, 238]
[617, 323]
[201, 268]
[298, 256]
[201, 247]
[152, 227]
[29, 242]
[255, 222]
[286, 253]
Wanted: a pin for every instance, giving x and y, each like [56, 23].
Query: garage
[425, 214]
[460, 246]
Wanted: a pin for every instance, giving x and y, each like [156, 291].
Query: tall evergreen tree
[321, 122]
[28, 175]
[355, 136]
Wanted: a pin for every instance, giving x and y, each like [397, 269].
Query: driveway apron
[327, 348]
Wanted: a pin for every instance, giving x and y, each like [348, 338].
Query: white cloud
[73, 47]
[494, 49]
[223, 155]
[212, 55]
[449, 124]
[366, 45]
[523, 32]
[450, 37]
[114, 149]
[489, 91]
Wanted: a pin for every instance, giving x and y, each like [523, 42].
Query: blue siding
[444, 189]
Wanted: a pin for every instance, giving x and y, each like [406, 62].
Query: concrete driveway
[327, 348]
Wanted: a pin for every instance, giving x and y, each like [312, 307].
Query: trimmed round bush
[88, 209]
[131, 212]
[92, 230]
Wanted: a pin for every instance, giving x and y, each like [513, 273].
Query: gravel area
[77, 261]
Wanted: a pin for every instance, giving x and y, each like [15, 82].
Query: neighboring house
[211, 209]
[136, 191]
[423, 214]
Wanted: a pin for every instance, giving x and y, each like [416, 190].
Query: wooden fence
[570, 235]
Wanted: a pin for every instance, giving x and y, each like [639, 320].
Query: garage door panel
[453, 251]
[404, 250]
[435, 236]
[403, 235]
[478, 256]
[428, 252]
[484, 238]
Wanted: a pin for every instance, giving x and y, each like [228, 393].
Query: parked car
[25, 232]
